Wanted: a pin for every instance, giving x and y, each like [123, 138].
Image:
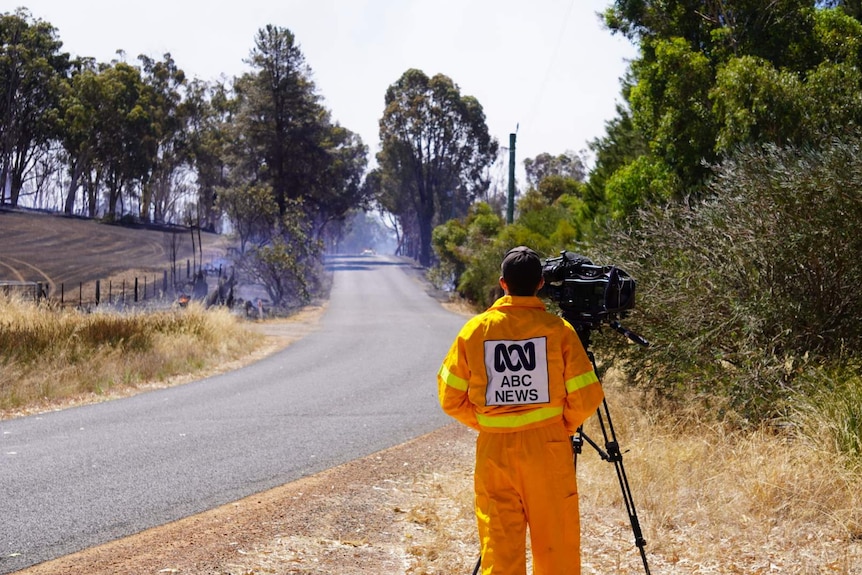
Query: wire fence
[159, 288]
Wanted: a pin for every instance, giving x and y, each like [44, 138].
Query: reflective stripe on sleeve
[581, 381]
[502, 421]
[452, 380]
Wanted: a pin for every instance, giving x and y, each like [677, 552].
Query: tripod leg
[613, 455]
[478, 565]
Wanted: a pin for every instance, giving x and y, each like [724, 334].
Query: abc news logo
[518, 372]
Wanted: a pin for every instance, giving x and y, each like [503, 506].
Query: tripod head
[584, 330]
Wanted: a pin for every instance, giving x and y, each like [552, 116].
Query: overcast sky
[547, 68]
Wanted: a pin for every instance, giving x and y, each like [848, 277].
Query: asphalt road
[363, 382]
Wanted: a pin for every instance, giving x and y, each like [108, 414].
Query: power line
[541, 92]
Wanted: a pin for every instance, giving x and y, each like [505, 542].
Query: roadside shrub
[744, 292]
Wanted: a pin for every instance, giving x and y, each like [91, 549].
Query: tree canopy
[715, 75]
[435, 148]
[32, 69]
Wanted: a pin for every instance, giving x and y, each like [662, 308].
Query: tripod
[611, 453]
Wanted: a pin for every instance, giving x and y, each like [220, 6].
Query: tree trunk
[69, 208]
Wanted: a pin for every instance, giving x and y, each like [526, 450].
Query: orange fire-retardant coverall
[521, 377]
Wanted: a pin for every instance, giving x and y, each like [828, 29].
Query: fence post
[98, 292]
[136, 289]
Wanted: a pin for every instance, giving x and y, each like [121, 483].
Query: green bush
[746, 291]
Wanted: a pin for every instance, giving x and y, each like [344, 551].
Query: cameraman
[521, 377]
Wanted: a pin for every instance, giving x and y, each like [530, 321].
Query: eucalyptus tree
[125, 127]
[210, 111]
[339, 188]
[566, 165]
[435, 149]
[780, 31]
[713, 75]
[165, 85]
[79, 109]
[286, 138]
[32, 69]
[125, 130]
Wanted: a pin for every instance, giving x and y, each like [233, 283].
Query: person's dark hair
[522, 271]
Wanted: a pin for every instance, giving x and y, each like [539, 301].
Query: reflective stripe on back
[521, 419]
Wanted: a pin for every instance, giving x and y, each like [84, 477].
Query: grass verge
[49, 356]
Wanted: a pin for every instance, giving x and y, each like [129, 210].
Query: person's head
[521, 272]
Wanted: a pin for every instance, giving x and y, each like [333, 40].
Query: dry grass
[49, 355]
[715, 500]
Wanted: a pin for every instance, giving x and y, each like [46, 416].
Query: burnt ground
[67, 251]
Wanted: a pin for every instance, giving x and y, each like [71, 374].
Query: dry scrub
[49, 355]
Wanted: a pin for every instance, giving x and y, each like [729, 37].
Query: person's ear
[503, 285]
[541, 284]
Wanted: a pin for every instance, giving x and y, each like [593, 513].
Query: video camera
[587, 294]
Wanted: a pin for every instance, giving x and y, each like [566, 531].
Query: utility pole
[510, 210]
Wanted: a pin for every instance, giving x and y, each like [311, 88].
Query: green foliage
[779, 31]
[714, 76]
[31, 74]
[621, 144]
[567, 166]
[169, 145]
[470, 249]
[743, 293]
[756, 103]
[838, 37]
[278, 269]
[461, 247]
[670, 103]
[288, 264]
[123, 130]
[435, 148]
[645, 181]
[284, 137]
[253, 211]
[208, 110]
[554, 186]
